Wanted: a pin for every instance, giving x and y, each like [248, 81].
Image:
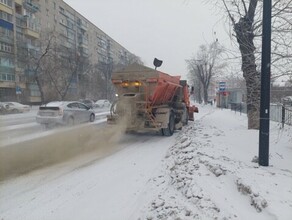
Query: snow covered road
[206, 171]
[19, 127]
[88, 187]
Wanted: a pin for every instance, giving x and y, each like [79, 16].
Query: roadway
[23, 126]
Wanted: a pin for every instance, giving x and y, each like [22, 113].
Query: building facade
[24, 22]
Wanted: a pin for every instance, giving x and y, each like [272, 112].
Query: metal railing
[278, 112]
[281, 113]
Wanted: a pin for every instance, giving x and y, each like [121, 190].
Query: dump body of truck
[150, 100]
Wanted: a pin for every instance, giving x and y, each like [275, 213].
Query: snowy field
[206, 171]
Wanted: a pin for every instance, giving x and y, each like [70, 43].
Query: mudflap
[192, 109]
[111, 119]
[191, 116]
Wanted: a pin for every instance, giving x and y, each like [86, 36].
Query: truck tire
[92, 118]
[170, 128]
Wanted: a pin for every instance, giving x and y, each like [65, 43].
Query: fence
[238, 107]
[281, 113]
[278, 112]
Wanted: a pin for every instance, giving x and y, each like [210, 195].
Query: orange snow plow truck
[150, 100]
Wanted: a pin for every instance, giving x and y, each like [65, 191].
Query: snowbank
[211, 173]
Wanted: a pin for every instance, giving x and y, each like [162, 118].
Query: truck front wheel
[170, 128]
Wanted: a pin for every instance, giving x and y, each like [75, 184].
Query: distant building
[22, 22]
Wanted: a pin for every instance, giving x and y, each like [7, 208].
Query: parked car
[64, 113]
[102, 103]
[87, 102]
[3, 108]
[15, 107]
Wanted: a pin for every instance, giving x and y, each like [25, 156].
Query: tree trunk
[205, 91]
[199, 93]
[245, 37]
[40, 89]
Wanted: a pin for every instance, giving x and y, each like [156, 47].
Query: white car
[64, 113]
[15, 107]
[102, 103]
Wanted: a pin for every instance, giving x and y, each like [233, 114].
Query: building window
[7, 62]
[5, 32]
[5, 47]
[70, 34]
[34, 90]
[6, 2]
[62, 10]
[7, 77]
[5, 16]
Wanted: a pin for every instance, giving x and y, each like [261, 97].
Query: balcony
[83, 42]
[6, 69]
[31, 6]
[29, 73]
[7, 84]
[83, 51]
[6, 24]
[82, 25]
[18, 2]
[6, 9]
[31, 28]
[31, 33]
[7, 39]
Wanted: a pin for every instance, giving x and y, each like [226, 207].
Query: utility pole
[265, 86]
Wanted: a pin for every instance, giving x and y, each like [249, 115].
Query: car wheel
[70, 121]
[92, 118]
[14, 111]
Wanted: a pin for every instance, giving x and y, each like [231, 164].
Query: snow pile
[210, 173]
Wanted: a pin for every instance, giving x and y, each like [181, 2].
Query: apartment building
[24, 22]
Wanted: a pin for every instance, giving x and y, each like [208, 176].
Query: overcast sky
[171, 30]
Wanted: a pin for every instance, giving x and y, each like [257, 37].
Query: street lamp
[265, 86]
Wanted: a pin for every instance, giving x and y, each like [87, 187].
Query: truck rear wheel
[170, 128]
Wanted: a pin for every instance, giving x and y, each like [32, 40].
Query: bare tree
[34, 59]
[245, 33]
[197, 86]
[246, 19]
[63, 68]
[56, 68]
[205, 65]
